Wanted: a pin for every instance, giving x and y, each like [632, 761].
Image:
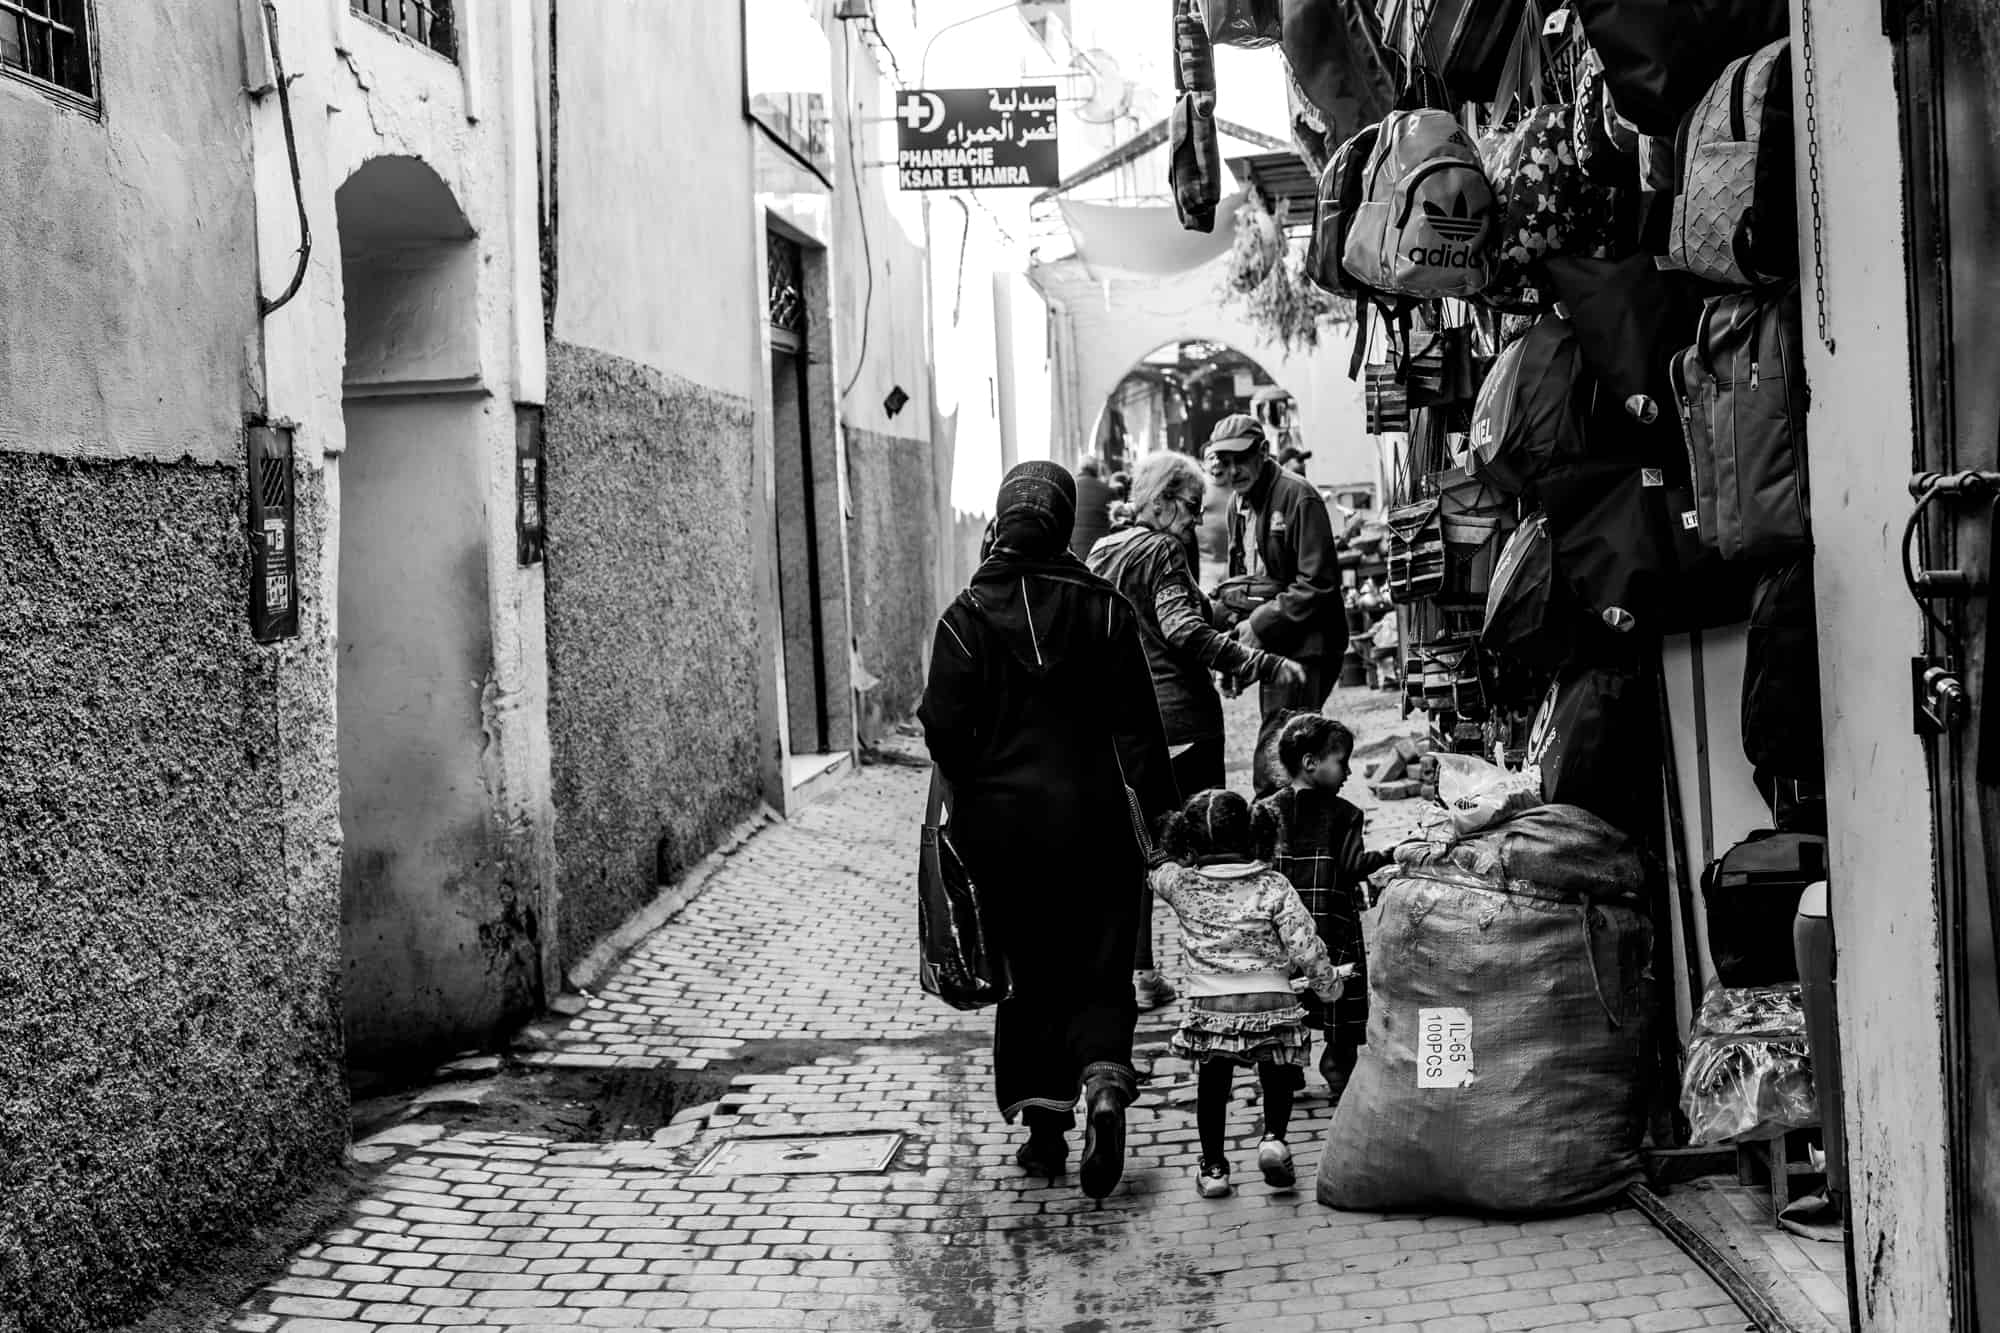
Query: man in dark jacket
[1093, 508]
[1282, 555]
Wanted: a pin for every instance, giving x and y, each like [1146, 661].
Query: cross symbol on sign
[922, 112]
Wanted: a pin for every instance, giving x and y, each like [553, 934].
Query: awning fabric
[1119, 238]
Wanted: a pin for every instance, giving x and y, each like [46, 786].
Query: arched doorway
[1173, 397]
[438, 931]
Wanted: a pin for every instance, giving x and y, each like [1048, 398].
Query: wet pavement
[788, 987]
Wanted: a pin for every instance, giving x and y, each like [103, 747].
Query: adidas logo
[1458, 225]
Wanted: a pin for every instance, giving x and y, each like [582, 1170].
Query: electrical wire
[264, 305]
[860, 214]
[895, 70]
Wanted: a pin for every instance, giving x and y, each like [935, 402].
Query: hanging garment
[1194, 166]
[1660, 56]
[1781, 699]
[1335, 50]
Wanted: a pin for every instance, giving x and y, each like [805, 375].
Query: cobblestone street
[803, 942]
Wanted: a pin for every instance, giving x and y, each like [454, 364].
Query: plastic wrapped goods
[1749, 1067]
[1509, 992]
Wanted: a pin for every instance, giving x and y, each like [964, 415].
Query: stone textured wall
[169, 966]
[892, 550]
[652, 630]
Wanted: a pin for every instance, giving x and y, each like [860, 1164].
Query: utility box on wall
[530, 486]
[274, 597]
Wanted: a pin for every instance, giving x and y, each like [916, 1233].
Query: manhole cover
[803, 1155]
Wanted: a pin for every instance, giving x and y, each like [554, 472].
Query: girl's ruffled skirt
[1279, 1036]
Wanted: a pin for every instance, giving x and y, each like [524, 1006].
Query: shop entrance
[438, 943]
[1950, 122]
[807, 504]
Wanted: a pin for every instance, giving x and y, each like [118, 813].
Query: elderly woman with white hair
[1148, 562]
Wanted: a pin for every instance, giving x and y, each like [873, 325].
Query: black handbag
[1388, 400]
[1444, 676]
[961, 962]
[1415, 551]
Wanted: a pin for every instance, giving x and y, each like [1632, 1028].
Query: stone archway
[1172, 398]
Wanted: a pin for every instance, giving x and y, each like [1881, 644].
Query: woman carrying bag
[1039, 713]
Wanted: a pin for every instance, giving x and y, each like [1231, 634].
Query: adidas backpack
[1733, 219]
[1425, 225]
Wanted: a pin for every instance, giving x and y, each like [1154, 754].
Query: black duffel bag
[1660, 56]
[1750, 895]
[1597, 743]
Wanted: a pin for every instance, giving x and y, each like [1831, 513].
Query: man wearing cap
[1281, 552]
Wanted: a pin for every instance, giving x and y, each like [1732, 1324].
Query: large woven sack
[1503, 1071]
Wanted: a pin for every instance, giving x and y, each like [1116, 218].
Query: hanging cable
[265, 306]
[853, 109]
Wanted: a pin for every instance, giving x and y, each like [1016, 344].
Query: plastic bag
[1477, 794]
[1749, 1066]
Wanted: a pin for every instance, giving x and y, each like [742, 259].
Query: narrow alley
[800, 948]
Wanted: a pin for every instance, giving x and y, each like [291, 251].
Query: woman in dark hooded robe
[1040, 713]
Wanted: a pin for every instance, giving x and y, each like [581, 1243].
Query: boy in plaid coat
[1320, 850]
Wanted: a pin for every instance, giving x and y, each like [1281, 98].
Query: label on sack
[1444, 1048]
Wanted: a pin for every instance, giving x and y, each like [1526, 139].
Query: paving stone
[802, 935]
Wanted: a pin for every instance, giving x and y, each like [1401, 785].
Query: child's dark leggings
[1211, 1106]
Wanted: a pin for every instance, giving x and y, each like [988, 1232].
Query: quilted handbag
[1733, 213]
[1415, 551]
[1548, 207]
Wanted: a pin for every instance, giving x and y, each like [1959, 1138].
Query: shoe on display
[1211, 1180]
[1152, 990]
[1274, 1159]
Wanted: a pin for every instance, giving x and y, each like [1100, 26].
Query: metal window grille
[427, 22]
[49, 40]
[787, 284]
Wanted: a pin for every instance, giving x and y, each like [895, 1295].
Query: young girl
[1319, 849]
[1243, 929]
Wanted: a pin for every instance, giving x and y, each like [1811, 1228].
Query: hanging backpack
[1342, 189]
[1528, 613]
[1743, 410]
[1531, 408]
[1660, 56]
[1781, 726]
[1614, 544]
[1596, 742]
[1630, 318]
[1733, 213]
[1548, 208]
[1750, 896]
[1425, 226]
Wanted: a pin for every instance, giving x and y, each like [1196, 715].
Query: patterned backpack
[1733, 219]
[1548, 208]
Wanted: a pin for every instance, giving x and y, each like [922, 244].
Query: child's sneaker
[1274, 1159]
[1152, 990]
[1211, 1179]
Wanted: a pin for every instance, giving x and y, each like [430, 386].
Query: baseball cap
[1236, 434]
